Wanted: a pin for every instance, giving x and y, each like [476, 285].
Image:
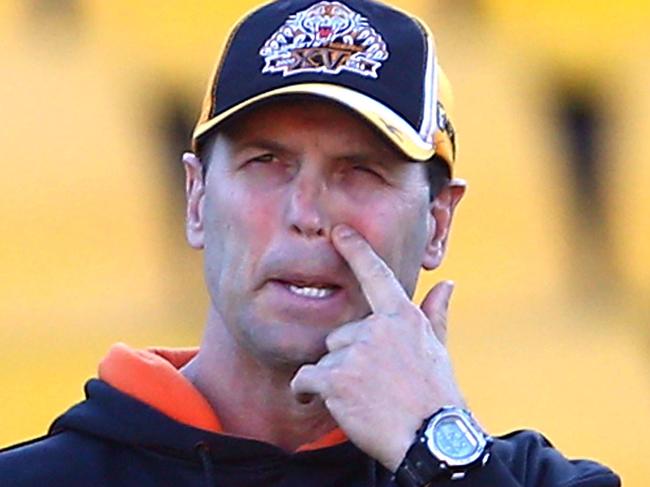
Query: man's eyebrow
[372, 158]
[260, 143]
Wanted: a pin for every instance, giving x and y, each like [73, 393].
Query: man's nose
[307, 206]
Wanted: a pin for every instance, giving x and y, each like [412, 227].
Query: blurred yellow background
[550, 321]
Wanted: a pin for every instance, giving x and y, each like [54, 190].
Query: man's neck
[252, 400]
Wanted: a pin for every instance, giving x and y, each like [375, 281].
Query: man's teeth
[311, 292]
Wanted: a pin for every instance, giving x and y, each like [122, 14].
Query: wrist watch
[448, 445]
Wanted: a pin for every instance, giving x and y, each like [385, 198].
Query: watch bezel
[469, 425]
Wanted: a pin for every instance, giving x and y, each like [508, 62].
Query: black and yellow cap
[376, 60]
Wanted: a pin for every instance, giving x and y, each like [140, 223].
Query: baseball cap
[376, 60]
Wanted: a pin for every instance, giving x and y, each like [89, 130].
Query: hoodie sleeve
[527, 459]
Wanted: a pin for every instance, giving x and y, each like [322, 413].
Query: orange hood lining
[152, 376]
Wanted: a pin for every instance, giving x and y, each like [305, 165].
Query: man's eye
[366, 169]
[264, 158]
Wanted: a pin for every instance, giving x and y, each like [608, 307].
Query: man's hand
[386, 373]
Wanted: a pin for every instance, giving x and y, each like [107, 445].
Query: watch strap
[419, 467]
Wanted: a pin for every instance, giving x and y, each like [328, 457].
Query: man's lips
[312, 280]
[313, 287]
[309, 285]
[309, 289]
[307, 272]
[311, 292]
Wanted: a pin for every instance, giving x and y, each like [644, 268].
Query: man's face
[280, 178]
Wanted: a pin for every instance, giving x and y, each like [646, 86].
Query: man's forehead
[276, 122]
[296, 106]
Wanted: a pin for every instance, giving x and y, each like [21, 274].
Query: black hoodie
[115, 439]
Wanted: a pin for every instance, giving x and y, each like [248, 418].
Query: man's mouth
[317, 291]
[308, 288]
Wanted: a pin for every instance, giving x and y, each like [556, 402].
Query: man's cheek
[374, 231]
[396, 240]
[255, 226]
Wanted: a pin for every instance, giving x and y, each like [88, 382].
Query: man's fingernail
[344, 232]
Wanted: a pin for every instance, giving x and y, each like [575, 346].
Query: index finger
[383, 291]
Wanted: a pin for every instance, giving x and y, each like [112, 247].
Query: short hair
[438, 174]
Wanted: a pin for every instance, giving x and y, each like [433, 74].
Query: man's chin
[285, 347]
[292, 358]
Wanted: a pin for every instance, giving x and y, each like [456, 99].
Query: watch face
[453, 439]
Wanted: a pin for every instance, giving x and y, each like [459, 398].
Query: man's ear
[442, 213]
[194, 195]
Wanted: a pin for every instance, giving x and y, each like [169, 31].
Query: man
[318, 187]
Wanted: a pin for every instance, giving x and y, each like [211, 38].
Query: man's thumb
[435, 306]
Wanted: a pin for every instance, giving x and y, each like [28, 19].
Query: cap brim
[390, 124]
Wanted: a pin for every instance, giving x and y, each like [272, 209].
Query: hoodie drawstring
[203, 449]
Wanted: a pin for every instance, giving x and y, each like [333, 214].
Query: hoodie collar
[152, 376]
